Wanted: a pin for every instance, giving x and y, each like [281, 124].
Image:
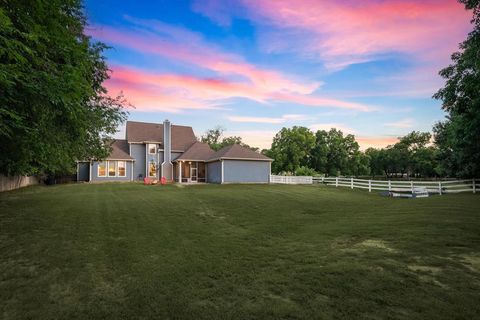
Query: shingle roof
[199, 151]
[236, 151]
[182, 136]
[120, 150]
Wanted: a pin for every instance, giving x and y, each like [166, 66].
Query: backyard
[129, 251]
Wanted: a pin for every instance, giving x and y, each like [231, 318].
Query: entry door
[193, 172]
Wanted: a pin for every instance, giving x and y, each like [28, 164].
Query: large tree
[215, 139]
[53, 107]
[335, 153]
[291, 149]
[458, 137]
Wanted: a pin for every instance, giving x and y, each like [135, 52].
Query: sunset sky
[255, 66]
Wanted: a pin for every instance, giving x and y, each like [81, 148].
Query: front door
[193, 172]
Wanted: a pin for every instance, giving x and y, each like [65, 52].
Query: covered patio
[189, 171]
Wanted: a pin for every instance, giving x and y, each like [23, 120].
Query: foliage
[305, 171]
[214, 138]
[411, 156]
[53, 107]
[291, 149]
[458, 136]
[330, 153]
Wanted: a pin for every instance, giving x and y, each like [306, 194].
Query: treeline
[300, 151]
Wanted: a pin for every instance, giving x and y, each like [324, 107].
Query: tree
[335, 154]
[376, 161]
[53, 107]
[458, 136]
[291, 149]
[319, 154]
[214, 138]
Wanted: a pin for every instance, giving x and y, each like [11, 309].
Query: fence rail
[433, 186]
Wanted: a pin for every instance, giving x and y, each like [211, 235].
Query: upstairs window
[152, 149]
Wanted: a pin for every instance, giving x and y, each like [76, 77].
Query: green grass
[128, 251]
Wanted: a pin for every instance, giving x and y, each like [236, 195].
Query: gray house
[164, 150]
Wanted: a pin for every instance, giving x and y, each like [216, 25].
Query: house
[165, 150]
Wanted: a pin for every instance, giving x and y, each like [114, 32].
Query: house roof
[182, 136]
[120, 150]
[238, 152]
[199, 151]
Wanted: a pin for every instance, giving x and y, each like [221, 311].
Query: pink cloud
[147, 90]
[196, 52]
[284, 118]
[343, 32]
[366, 142]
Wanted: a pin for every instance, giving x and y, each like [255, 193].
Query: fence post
[336, 182]
[411, 185]
[351, 183]
[474, 186]
[440, 187]
[389, 185]
[369, 185]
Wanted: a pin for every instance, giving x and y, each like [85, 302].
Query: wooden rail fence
[432, 186]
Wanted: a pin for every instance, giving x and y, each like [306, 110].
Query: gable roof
[199, 151]
[140, 132]
[238, 152]
[120, 150]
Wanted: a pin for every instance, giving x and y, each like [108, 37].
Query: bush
[305, 171]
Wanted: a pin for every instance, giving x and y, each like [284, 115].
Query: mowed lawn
[128, 251]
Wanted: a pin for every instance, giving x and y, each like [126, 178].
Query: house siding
[214, 172]
[138, 153]
[246, 171]
[128, 175]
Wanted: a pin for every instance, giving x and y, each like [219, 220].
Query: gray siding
[175, 155]
[83, 171]
[246, 171]
[138, 153]
[128, 175]
[214, 172]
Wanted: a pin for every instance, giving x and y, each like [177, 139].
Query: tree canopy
[458, 137]
[215, 139]
[53, 107]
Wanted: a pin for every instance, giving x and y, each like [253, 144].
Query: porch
[189, 171]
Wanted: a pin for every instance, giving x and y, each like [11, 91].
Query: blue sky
[254, 67]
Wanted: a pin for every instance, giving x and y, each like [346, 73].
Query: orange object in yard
[163, 180]
[146, 181]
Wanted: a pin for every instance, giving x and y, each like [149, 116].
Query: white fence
[440, 187]
[291, 179]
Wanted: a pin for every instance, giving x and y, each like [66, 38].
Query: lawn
[128, 251]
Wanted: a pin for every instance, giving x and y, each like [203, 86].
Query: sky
[366, 67]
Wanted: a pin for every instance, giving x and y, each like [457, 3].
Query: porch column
[180, 171]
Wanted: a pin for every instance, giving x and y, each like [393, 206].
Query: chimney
[167, 167]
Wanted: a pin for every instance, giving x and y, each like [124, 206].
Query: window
[102, 169]
[121, 172]
[152, 169]
[152, 149]
[111, 168]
